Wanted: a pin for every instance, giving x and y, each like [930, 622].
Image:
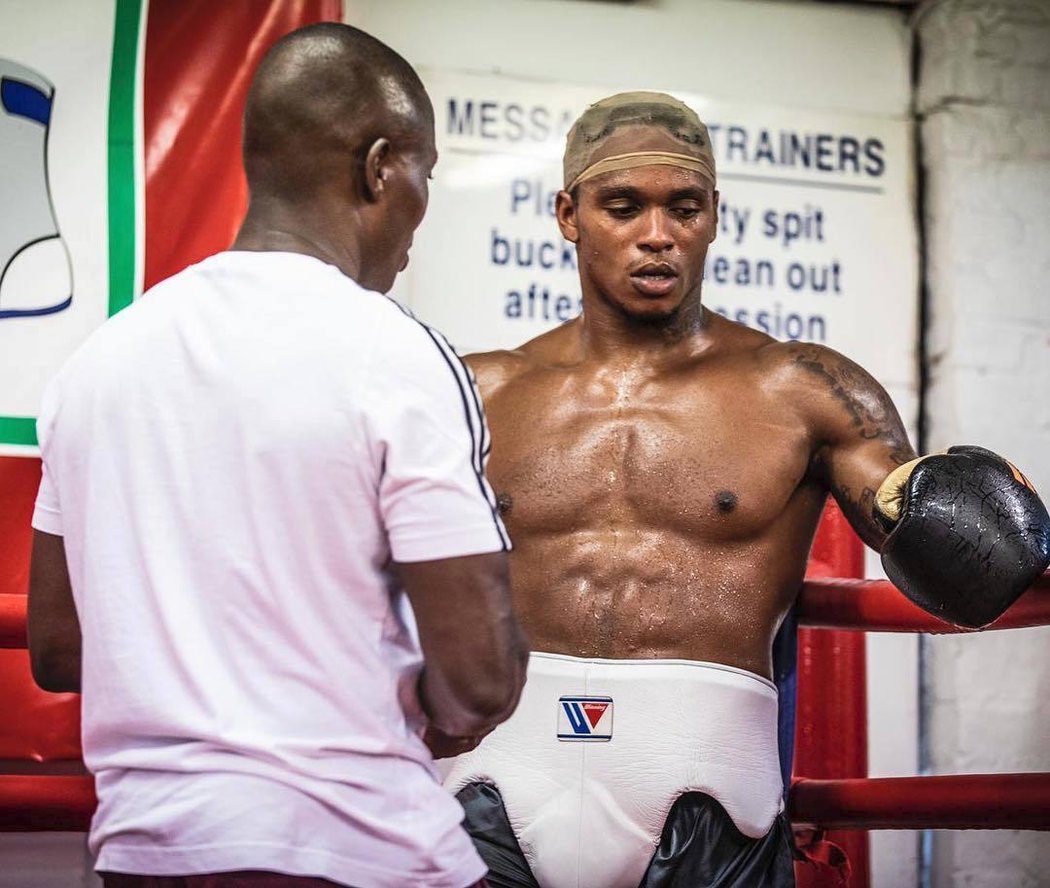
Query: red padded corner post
[831, 740]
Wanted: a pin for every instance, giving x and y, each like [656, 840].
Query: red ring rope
[877, 606]
[974, 801]
[964, 801]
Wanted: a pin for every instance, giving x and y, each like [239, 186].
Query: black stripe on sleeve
[476, 427]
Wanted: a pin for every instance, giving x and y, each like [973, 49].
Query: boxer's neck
[607, 334]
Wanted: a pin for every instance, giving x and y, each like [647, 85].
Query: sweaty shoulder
[735, 339]
[838, 398]
[495, 370]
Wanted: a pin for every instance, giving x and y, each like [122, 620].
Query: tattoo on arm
[859, 511]
[872, 415]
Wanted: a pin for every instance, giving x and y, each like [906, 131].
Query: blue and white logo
[35, 274]
[585, 718]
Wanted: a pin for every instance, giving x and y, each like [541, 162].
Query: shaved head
[338, 149]
[321, 96]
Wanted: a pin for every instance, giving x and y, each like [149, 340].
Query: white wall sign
[816, 239]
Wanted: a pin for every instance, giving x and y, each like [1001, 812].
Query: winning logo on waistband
[585, 718]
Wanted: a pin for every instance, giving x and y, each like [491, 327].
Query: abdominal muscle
[624, 593]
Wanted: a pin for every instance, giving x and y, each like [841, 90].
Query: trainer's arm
[474, 650]
[53, 626]
[430, 443]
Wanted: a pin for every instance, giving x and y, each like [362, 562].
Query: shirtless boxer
[661, 471]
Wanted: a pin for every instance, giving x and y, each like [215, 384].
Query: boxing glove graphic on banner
[35, 270]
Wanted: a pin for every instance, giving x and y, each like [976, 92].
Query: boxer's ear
[565, 211]
[377, 169]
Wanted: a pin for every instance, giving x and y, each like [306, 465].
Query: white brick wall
[984, 106]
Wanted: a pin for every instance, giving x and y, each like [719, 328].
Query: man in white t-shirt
[265, 548]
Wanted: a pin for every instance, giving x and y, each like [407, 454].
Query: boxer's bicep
[855, 473]
[53, 626]
[859, 436]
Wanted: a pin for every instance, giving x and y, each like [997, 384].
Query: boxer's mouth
[654, 278]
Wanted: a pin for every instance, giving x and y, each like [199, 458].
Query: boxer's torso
[661, 502]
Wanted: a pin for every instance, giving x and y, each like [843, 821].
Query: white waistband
[536, 659]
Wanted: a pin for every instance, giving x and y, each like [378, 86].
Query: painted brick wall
[984, 107]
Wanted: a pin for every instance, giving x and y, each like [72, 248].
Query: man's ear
[377, 162]
[565, 213]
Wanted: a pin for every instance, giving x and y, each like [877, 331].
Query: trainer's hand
[442, 746]
[967, 534]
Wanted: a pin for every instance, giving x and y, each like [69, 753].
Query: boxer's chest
[715, 460]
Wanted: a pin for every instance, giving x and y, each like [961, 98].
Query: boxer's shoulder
[496, 370]
[839, 398]
[794, 358]
[811, 370]
[773, 365]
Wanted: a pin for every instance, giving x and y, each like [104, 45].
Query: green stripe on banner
[18, 430]
[122, 155]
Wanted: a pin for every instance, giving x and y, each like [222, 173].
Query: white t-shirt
[233, 461]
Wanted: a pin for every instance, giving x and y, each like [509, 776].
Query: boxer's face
[642, 236]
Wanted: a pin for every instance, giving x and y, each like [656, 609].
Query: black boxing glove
[967, 534]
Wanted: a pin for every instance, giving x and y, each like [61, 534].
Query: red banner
[200, 57]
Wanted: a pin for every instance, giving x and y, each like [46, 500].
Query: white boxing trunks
[598, 751]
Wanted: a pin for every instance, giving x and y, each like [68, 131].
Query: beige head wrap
[588, 151]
